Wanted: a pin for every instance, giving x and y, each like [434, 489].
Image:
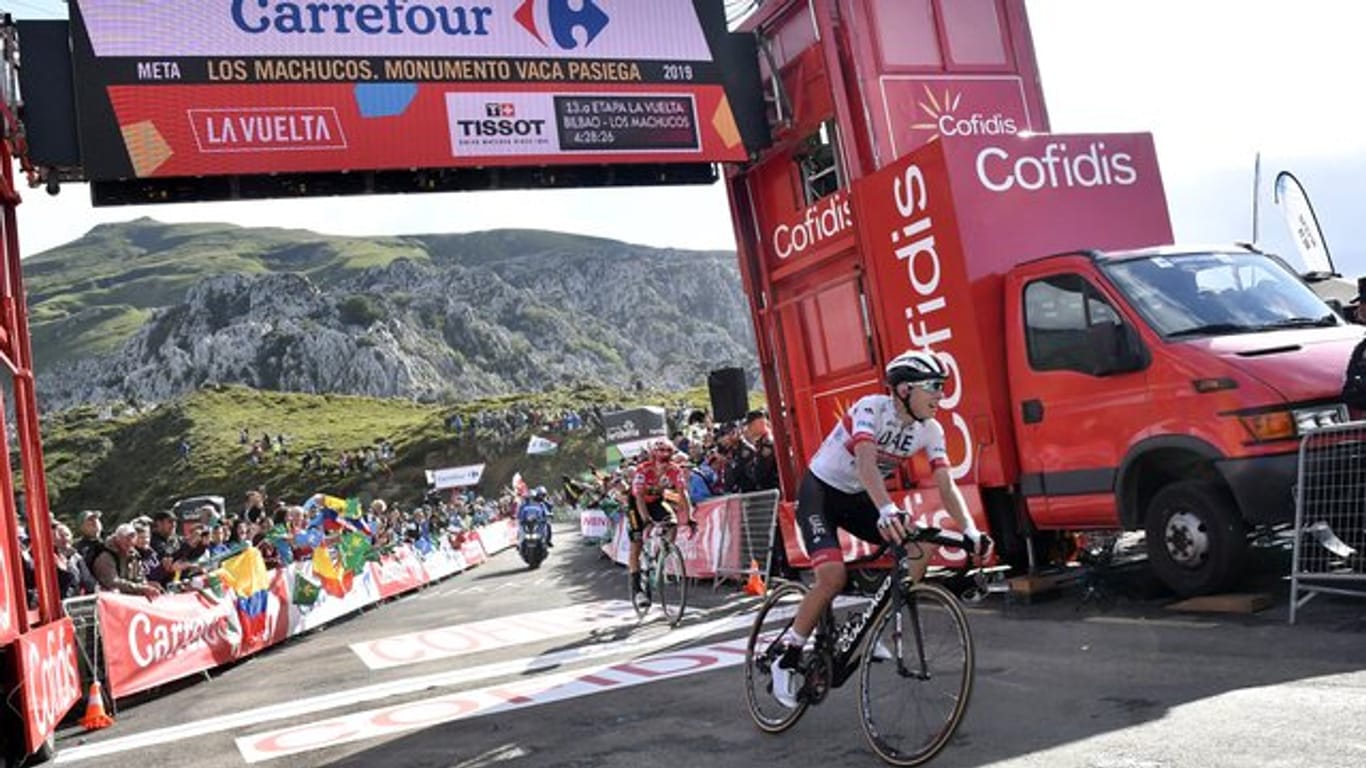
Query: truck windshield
[1197, 294]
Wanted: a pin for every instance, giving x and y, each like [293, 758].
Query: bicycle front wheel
[775, 616]
[671, 583]
[915, 677]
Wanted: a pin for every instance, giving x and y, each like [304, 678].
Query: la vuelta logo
[947, 117]
[565, 23]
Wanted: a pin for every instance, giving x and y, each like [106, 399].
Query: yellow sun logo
[936, 110]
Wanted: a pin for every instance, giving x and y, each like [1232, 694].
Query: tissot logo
[567, 25]
[500, 109]
[946, 115]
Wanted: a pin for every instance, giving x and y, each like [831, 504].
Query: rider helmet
[662, 449]
[915, 366]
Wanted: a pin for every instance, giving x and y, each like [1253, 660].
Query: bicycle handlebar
[917, 535]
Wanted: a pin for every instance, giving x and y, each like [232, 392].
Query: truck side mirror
[1116, 349]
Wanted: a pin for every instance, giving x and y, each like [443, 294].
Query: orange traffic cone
[95, 717]
[754, 585]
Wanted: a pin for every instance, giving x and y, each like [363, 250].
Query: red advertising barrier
[398, 572]
[472, 549]
[713, 549]
[152, 642]
[50, 683]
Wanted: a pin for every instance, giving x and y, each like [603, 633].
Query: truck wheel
[1196, 539]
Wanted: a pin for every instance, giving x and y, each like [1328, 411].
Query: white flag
[540, 446]
[1304, 225]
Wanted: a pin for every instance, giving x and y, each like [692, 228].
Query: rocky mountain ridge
[145, 312]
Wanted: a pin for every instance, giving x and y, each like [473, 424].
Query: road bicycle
[910, 646]
[663, 574]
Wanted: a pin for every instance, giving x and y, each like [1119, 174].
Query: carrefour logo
[566, 24]
[946, 118]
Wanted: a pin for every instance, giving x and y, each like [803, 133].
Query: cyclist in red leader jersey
[845, 488]
[655, 477]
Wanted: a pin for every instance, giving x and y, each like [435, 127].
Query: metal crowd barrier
[85, 617]
[1330, 516]
[758, 514]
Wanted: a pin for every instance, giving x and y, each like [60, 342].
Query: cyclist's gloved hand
[692, 528]
[981, 543]
[890, 522]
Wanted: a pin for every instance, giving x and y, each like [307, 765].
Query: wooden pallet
[1249, 602]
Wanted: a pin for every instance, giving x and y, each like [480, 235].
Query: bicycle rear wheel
[774, 617]
[671, 583]
[916, 674]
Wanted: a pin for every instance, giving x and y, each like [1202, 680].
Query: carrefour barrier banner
[397, 572]
[225, 87]
[150, 642]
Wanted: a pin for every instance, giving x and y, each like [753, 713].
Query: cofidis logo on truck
[925, 109]
[1055, 165]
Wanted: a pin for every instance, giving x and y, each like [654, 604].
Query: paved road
[504, 666]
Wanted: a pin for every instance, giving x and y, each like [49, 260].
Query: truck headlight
[1319, 417]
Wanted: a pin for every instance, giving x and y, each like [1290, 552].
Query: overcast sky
[1215, 81]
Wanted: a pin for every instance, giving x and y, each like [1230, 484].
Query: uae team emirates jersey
[874, 419]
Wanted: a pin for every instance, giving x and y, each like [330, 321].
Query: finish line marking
[351, 697]
[437, 710]
[502, 632]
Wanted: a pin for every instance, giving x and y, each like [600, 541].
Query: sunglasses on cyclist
[933, 387]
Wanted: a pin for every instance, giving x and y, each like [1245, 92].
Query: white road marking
[294, 709]
[1177, 623]
[504, 631]
[436, 710]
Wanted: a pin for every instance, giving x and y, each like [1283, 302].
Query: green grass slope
[130, 465]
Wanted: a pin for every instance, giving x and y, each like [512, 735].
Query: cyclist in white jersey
[845, 487]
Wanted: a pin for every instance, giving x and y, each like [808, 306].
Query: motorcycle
[532, 546]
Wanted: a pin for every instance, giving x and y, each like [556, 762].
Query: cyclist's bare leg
[633, 560]
[830, 579]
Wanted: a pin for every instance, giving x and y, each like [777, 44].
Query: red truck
[1104, 378]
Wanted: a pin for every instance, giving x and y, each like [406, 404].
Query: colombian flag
[246, 575]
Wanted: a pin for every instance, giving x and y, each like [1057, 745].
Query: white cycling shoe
[784, 683]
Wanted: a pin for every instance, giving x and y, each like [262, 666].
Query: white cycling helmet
[915, 365]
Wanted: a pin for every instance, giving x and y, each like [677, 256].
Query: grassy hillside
[129, 465]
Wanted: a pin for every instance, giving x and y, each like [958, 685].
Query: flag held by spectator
[247, 576]
[355, 551]
[306, 591]
[335, 581]
[539, 446]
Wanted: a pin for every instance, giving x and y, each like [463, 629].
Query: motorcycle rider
[536, 508]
